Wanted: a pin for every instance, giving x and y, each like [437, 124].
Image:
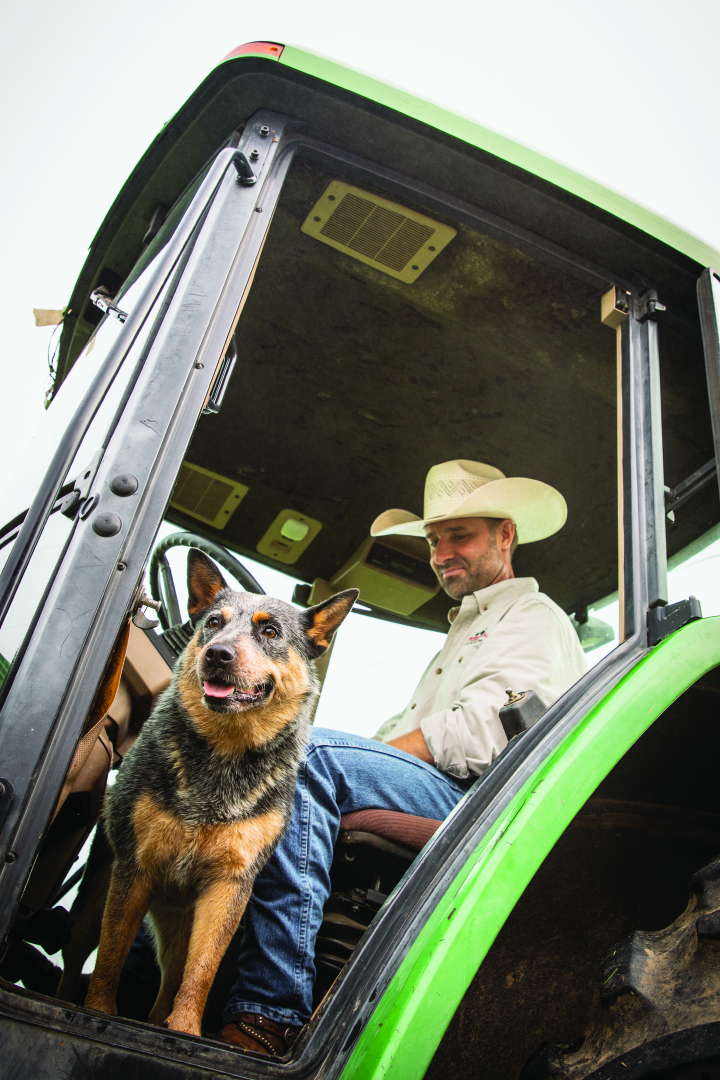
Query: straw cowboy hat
[460, 489]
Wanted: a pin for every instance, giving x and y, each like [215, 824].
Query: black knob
[106, 524]
[123, 484]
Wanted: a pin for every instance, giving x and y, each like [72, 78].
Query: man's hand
[413, 743]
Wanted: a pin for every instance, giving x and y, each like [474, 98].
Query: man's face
[465, 555]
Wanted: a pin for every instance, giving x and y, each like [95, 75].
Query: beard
[470, 576]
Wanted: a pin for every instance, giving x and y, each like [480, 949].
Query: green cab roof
[204, 122]
[485, 139]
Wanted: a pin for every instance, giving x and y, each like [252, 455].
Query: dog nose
[220, 654]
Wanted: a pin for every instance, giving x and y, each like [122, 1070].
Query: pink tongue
[217, 689]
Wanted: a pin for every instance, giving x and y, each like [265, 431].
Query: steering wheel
[162, 586]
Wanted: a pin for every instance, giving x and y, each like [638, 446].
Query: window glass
[695, 571]
[23, 482]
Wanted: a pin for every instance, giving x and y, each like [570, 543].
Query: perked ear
[322, 621]
[204, 582]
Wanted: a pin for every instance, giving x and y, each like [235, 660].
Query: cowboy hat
[460, 489]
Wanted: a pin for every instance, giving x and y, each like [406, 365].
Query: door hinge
[663, 621]
[81, 490]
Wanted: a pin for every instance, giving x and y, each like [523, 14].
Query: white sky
[626, 94]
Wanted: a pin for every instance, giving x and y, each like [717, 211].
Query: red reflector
[264, 48]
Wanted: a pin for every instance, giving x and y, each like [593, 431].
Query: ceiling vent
[380, 233]
[206, 496]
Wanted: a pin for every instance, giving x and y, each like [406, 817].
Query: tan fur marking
[205, 586]
[172, 929]
[127, 902]
[176, 758]
[260, 616]
[225, 850]
[326, 622]
[227, 613]
[217, 914]
[234, 733]
[159, 835]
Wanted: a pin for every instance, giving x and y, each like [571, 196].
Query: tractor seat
[406, 829]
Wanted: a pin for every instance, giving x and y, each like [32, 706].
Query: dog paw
[101, 1004]
[182, 1022]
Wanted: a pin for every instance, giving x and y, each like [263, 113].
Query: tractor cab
[308, 293]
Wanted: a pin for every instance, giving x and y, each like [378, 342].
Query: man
[503, 634]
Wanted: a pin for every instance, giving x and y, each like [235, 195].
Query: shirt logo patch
[477, 637]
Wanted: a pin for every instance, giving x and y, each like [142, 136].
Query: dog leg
[86, 913]
[172, 930]
[217, 914]
[128, 899]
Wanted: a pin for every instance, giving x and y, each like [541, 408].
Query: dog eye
[269, 631]
[214, 622]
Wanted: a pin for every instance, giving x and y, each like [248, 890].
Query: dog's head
[249, 649]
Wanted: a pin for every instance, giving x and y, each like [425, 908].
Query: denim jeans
[340, 773]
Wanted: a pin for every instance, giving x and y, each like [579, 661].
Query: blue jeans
[340, 773]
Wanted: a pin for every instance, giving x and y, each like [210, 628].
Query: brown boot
[251, 1031]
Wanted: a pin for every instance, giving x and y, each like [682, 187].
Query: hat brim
[537, 509]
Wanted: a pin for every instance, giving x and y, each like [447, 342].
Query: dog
[204, 795]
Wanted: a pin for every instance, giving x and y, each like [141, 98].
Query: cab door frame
[61, 663]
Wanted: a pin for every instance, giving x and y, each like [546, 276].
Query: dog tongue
[217, 689]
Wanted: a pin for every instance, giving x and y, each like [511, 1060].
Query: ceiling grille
[205, 495]
[376, 231]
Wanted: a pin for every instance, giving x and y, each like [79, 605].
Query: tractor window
[343, 395]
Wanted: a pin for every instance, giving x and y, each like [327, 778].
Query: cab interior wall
[623, 864]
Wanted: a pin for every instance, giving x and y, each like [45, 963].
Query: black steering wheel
[162, 586]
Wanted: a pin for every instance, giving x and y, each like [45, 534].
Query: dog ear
[321, 622]
[204, 583]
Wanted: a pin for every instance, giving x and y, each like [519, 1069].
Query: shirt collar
[483, 599]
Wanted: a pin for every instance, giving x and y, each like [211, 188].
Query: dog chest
[181, 855]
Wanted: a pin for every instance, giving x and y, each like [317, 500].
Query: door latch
[648, 306]
[664, 621]
[102, 299]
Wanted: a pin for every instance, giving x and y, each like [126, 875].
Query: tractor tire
[657, 1007]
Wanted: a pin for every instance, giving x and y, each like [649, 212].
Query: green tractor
[311, 289]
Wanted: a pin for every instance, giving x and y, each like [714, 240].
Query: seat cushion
[406, 829]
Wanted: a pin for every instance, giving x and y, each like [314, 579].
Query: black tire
[657, 1007]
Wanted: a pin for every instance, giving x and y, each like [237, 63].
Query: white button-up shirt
[508, 635]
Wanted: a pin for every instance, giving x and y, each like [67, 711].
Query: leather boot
[252, 1031]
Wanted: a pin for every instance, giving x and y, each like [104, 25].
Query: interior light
[294, 530]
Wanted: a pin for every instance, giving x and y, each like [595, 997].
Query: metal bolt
[199, 366]
[11, 857]
[264, 131]
[122, 566]
[258, 209]
[2, 790]
[254, 155]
